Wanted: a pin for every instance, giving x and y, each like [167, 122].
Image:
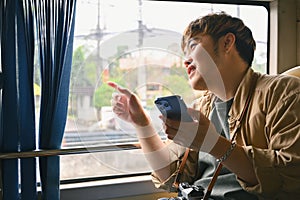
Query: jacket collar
[241, 95]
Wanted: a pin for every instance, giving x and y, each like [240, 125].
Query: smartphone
[173, 107]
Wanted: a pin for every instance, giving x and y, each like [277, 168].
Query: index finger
[112, 84]
[122, 90]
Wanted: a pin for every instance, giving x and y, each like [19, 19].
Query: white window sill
[108, 189]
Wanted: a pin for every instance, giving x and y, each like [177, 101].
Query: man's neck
[232, 80]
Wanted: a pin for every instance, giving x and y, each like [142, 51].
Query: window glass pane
[137, 44]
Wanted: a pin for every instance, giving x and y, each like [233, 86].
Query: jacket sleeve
[277, 167]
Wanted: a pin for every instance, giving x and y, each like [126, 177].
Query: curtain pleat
[9, 112]
[55, 21]
[25, 51]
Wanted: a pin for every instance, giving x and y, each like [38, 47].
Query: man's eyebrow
[189, 42]
[193, 39]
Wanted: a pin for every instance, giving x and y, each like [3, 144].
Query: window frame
[69, 188]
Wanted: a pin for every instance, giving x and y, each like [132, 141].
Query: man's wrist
[227, 153]
[144, 132]
[210, 140]
[221, 147]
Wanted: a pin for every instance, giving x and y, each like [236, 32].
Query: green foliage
[102, 95]
[90, 72]
[77, 64]
[178, 84]
[259, 67]
[84, 68]
[258, 64]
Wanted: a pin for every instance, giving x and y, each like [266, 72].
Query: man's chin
[197, 86]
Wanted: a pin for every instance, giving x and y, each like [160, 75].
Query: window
[138, 47]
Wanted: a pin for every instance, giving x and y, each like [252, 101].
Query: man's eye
[192, 45]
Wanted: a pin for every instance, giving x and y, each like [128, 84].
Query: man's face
[201, 63]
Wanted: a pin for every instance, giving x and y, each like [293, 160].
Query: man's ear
[229, 41]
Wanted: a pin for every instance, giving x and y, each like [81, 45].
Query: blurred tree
[259, 64]
[102, 96]
[77, 64]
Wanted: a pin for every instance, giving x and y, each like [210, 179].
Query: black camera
[188, 192]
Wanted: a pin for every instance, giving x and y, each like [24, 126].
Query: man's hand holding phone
[173, 107]
[186, 126]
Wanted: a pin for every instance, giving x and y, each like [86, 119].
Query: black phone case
[173, 107]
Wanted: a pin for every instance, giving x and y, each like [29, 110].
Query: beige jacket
[270, 134]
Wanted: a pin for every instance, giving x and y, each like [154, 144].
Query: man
[249, 122]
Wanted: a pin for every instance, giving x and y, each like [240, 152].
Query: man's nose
[187, 62]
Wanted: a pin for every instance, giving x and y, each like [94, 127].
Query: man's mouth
[190, 70]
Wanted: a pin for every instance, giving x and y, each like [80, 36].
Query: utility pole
[142, 91]
[238, 11]
[99, 62]
[140, 25]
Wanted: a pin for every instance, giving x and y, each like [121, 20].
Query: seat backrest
[295, 71]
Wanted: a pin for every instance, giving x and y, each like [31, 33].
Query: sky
[115, 16]
[122, 15]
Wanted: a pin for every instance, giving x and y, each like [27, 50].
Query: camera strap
[181, 168]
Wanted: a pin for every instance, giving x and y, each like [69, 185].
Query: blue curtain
[26, 117]
[55, 24]
[9, 111]
[17, 113]
[54, 21]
